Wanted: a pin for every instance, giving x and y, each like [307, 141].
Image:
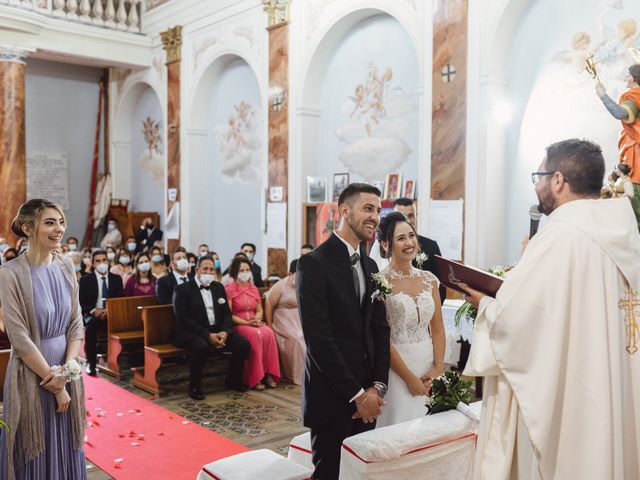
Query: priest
[558, 346]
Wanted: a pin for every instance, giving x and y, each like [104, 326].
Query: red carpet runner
[131, 438]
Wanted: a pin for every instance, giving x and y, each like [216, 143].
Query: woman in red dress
[262, 367]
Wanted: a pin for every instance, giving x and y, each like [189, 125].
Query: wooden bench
[158, 333]
[124, 326]
[4, 363]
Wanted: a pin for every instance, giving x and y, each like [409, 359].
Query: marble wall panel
[173, 137]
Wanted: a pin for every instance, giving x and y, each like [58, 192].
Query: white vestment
[562, 393]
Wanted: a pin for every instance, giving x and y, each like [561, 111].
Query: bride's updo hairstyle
[387, 229]
[30, 215]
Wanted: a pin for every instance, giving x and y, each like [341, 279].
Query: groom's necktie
[355, 258]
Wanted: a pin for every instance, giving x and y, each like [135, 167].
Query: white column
[193, 187]
[121, 169]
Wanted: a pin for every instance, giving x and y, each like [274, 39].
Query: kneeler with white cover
[257, 464]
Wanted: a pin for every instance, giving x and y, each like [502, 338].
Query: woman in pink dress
[262, 366]
[142, 283]
[282, 316]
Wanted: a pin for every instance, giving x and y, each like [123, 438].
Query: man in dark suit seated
[94, 290]
[427, 246]
[147, 235]
[249, 249]
[204, 325]
[178, 275]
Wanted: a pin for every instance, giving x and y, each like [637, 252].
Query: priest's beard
[547, 202]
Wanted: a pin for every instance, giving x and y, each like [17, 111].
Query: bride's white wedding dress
[409, 318]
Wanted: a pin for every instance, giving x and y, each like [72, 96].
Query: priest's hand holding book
[472, 296]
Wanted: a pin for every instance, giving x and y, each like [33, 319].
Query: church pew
[158, 332]
[124, 326]
[4, 363]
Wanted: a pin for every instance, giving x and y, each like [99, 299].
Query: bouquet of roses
[446, 392]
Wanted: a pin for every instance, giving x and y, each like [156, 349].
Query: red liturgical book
[451, 273]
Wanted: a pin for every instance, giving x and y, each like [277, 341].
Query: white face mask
[131, 246]
[182, 264]
[206, 279]
[192, 264]
[111, 227]
[249, 256]
[72, 247]
[124, 260]
[111, 256]
[144, 266]
[156, 258]
[204, 252]
[244, 276]
[77, 266]
[102, 268]
[3, 247]
[86, 261]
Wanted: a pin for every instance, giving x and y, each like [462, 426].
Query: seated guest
[249, 249]
[141, 283]
[113, 237]
[86, 268]
[72, 243]
[282, 316]
[122, 265]
[226, 278]
[21, 245]
[94, 290]
[193, 261]
[64, 248]
[147, 234]
[203, 325]
[203, 250]
[158, 267]
[178, 275]
[9, 254]
[216, 264]
[262, 366]
[131, 245]
[306, 248]
[111, 256]
[4, 245]
[76, 259]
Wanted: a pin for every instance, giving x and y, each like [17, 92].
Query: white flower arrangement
[383, 289]
[421, 258]
[72, 370]
[221, 301]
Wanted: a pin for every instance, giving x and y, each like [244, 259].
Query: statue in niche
[239, 146]
[151, 160]
[376, 131]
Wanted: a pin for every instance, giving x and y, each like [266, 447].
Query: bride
[415, 317]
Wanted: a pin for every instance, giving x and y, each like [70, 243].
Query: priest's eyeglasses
[535, 176]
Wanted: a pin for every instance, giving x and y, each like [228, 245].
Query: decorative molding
[247, 33]
[120, 76]
[13, 54]
[172, 43]
[200, 50]
[155, 3]
[314, 13]
[277, 12]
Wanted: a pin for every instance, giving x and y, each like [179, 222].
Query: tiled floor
[268, 419]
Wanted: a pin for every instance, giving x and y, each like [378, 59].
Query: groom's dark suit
[347, 348]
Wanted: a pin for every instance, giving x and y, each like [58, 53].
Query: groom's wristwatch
[381, 388]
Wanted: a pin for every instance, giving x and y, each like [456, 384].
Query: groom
[347, 334]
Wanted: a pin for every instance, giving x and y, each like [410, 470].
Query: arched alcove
[226, 163]
[139, 163]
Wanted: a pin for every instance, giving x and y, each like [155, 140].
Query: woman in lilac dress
[43, 398]
[142, 283]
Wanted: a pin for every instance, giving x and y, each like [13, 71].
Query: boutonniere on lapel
[383, 289]
[421, 258]
[222, 301]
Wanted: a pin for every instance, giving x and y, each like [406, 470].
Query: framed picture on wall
[316, 189]
[340, 182]
[409, 190]
[392, 186]
[379, 185]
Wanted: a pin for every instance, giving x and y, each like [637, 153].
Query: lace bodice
[409, 315]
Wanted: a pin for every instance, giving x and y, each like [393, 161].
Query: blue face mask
[216, 264]
[77, 267]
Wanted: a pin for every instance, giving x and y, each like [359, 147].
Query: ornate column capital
[277, 12]
[11, 53]
[172, 43]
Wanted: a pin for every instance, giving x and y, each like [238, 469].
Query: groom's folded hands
[368, 405]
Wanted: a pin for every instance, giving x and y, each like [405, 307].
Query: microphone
[534, 215]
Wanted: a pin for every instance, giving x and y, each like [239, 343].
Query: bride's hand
[428, 377]
[416, 387]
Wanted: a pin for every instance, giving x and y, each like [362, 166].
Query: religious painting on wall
[340, 182]
[379, 184]
[316, 189]
[376, 130]
[151, 159]
[392, 186]
[327, 220]
[239, 145]
[409, 189]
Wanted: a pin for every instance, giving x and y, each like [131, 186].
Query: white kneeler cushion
[254, 465]
[300, 450]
